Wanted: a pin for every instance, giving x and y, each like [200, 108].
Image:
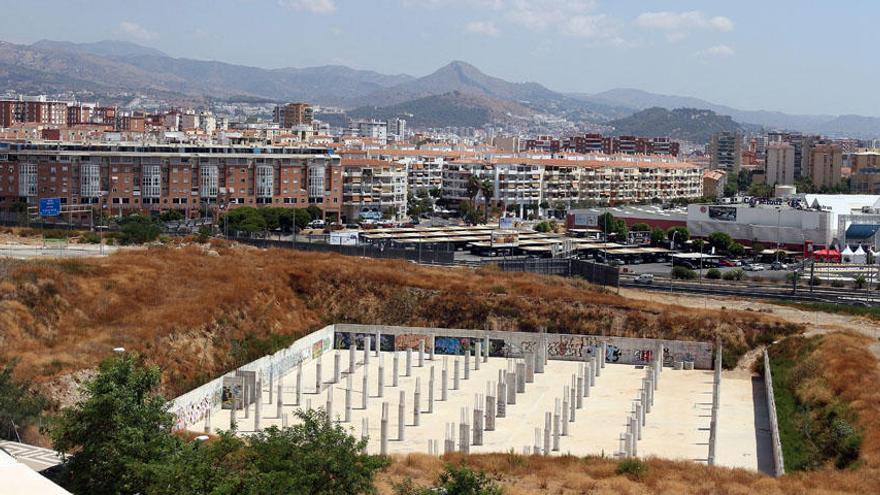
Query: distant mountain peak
[103, 48]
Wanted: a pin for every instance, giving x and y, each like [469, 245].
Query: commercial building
[826, 161]
[725, 151]
[125, 177]
[293, 114]
[714, 182]
[780, 164]
[373, 189]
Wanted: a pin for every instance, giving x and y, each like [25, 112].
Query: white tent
[859, 256]
[846, 256]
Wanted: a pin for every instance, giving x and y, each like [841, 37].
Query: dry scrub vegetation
[198, 312]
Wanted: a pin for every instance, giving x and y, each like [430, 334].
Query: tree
[678, 234]
[244, 219]
[171, 216]
[736, 249]
[640, 227]
[683, 273]
[658, 237]
[720, 241]
[315, 212]
[760, 190]
[487, 187]
[19, 406]
[316, 457]
[743, 180]
[860, 281]
[138, 229]
[612, 226]
[713, 274]
[119, 426]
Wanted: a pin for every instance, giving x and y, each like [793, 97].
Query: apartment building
[867, 158]
[373, 189]
[779, 165]
[524, 183]
[293, 114]
[126, 177]
[865, 181]
[725, 151]
[826, 162]
[32, 110]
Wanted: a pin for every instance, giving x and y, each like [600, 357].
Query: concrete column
[449, 442]
[279, 399]
[486, 350]
[378, 343]
[572, 399]
[478, 425]
[207, 428]
[604, 356]
[467, 364]
[431, 349]
[464, 433]
[478, 356]
[548, 426]
[421, 354]
[365, 396]
[417, 407]
[510, 384]
[318, 376]
[431, 391]
[395, 369]
[299, 385]
[456, 378]
[502, 398]
[538, 360]
[520, 378]
[622, 449]
[248, 394]
[537, 447]
[556, 427]
[597, 364]
[381, 377]
[409, 362]
[284, 421]
[365, 428]
[545, 349]
[368, 342]
[383, 430]
[530, 368]
[329, 406]
[444, 382]
[401, 416]
[640, 421]
[271, 382]
[232, 422]
[579, 397]
[564, 416]
[348, 398]
[490, 412]
[352, 349]
[635, 440]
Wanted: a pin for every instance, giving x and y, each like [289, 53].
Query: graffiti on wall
[192, 412]
[612, 353]
[406, 341]
[342, 340]
[572, 346]
[452, 345]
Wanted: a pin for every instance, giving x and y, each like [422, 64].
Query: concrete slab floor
[677, 427]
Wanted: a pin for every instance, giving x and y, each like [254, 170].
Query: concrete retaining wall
[191, 407]
[778, 461]
[623, 350]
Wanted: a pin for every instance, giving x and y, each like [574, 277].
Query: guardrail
[778, 461]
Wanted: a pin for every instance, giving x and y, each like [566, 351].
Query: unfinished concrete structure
[531, 392]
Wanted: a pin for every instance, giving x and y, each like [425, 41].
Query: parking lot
[664, 269]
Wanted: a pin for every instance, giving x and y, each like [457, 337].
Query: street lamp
[672, 258]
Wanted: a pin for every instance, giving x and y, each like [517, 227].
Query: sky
[805, 56]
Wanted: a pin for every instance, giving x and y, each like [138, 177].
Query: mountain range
[455, 94]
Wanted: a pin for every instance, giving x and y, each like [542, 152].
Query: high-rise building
[864, 159]
[779, 166]
[725, 151]
[826, 162]
[294, 114]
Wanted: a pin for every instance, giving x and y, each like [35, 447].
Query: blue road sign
[50, 207]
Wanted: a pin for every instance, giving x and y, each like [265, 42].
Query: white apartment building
[779, 168]
[373, 189]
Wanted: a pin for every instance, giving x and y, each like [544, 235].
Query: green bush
[837, 284]
[816, 281]
[90, 238]
[204, 234]
[138, 229]
[735, 274]
[859, 282]
[633, 469]
[459, 480]
[683, 273]
[713, 274]
[19, 405]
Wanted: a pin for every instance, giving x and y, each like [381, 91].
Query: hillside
[198, 315]
[688, 124]
[450, 109]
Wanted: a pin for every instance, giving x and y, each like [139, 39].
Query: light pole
[672, 258]
[778, 215]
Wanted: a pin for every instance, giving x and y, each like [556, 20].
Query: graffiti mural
[451, 345]
[406, 341]
[642, 356]
[497, 348]
[574, 346]
[612, 353]
[232, 393]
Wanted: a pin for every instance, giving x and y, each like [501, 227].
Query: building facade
[826, 162]
[780, 164]
[293, 114]
[725, 151]
[373, 189]
[121, 178]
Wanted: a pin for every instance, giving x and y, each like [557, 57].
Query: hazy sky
[801, 56]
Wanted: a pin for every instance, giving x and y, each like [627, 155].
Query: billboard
[639, 238]
[586, 219]
[501, 238]
[232, 393]
[50, 207]
[723, 213]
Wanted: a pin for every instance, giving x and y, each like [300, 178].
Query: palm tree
[488, 190]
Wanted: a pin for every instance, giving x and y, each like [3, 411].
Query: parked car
[686, 264]
[317, 224]
[754, 267]
[644, 278]
[777, 265]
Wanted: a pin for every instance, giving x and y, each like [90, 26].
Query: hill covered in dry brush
[198, 312]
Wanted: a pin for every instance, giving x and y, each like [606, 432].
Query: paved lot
[26, 251]
[677, 427]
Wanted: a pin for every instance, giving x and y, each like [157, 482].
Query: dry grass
[198, 314]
